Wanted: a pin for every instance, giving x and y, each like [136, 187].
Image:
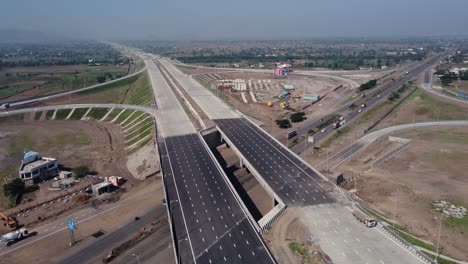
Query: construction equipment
[15, 236]
[284, 104]
[270, 104]
[9, 221]
[363, 218]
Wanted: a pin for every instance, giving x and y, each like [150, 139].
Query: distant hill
[27, 36]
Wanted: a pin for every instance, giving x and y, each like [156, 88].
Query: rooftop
[30, 154]
[35, 164]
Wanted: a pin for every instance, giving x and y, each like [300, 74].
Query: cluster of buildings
[34, 167]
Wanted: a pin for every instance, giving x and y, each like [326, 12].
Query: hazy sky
[237, 19]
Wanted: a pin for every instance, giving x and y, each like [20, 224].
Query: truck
[15, 236]
[5, 106]
[291, 134]
[363, 218]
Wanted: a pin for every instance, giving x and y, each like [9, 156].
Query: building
[102, 187]
[311, 97]
[34, 167]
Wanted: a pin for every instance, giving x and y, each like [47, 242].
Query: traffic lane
[153, 249]
[182, 246]
[283, 177]
[286, 179]
[210, 209]
[104, 244]
[241, 241]
[282, 150]
[383, 90]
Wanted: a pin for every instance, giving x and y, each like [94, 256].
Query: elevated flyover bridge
[292, 179]
[209, 223]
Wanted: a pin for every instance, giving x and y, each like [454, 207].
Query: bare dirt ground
[433, 167]
[285, 230]
[144, 162]
[100, 146]
[53, 248]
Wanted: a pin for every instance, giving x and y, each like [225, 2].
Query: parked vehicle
[363, 218]
[291, 134]
[323, 130]
[363, 105]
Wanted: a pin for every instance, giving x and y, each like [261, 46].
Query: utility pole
[137, 257]
[394, 211]
[355, 181]
[305, 146]
[438, 236]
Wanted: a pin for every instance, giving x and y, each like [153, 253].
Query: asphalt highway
[97, 250]
[294, 181]
[216, 228]
[372, 98]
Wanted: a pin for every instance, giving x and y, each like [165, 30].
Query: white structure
[33, 166]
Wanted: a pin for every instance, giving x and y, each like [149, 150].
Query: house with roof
[35, 167]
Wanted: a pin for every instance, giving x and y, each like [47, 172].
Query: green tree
[101, 79]
[283, 123]
[297, 117]
[14, 187]
[80, 171]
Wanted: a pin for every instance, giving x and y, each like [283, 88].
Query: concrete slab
[346, 240]
[171, 118]
[213, 106]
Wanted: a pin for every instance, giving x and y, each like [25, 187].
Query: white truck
[15, 236]
[367, 220]
[5, 106]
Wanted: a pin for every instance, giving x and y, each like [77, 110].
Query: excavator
[9, 221]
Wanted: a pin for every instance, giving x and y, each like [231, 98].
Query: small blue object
[71, 224]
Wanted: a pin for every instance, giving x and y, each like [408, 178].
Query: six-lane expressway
[209, 222]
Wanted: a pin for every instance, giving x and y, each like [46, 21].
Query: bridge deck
[209, 224]
[294, 181]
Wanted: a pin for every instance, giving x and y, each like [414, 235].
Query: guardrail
[230, 186]
[369, 128]
[270, 219]
[397, 237]
[390, 155]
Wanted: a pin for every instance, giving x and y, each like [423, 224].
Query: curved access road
[367, 139]
[47, 97]
[150, 110]
[427, 86]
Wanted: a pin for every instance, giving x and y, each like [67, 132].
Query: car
[359, 111]
[342, 122]
[323, 130]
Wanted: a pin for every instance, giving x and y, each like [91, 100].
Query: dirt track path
[279, 237]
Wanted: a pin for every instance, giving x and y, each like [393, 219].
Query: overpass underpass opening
[261, 204]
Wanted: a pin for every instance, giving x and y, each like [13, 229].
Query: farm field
[24, 82]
